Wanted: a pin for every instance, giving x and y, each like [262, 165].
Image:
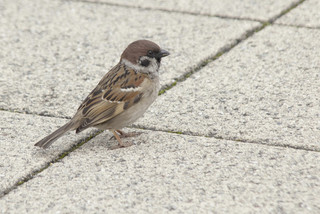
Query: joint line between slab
[168, 11]
[226, 49]
[47, 165]
[286, 11]
[270, 20]
[17, 111]
[208, 60]
[297, 26]
[233, 139]
[196, 68]
[181, 79]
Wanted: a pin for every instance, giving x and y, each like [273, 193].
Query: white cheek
[152, 68]
[131, 65]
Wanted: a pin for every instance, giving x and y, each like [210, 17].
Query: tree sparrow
[122, 95]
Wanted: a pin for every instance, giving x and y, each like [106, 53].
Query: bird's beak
[163, 53]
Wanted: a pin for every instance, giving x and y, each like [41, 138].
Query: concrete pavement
[236, 128]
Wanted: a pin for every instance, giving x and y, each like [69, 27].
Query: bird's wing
[117, 91]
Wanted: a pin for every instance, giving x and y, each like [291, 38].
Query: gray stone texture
[265, 90]
[263, 10]
[18, 157]
[247, 124]
[51, 59]
[173, 173]
[307, 14]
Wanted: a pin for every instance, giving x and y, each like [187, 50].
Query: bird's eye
[150, 53]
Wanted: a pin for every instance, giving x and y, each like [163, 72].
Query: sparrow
[121, 96]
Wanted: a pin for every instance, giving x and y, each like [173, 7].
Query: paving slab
[18, 157]
[54, 57]
[173, 173]
[264, 10]
[306, 14]
[265, 90]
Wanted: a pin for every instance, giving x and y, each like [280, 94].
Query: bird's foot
[125, 135]
[120, 143]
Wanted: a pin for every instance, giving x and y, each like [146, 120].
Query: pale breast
[130, 115]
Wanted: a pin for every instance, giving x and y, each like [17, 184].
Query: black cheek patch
[145, 62]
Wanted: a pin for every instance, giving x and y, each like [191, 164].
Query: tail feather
[47, 141]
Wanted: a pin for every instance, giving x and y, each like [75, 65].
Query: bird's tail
[47, 141]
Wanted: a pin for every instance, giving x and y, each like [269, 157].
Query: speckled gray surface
[71, 45]
[307, 14]
[266, 90]
[177, 173]
[263, 10]
[18, 157]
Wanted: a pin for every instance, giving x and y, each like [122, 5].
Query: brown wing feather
[114, 94]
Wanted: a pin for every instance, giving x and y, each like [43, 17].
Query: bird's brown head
[143, 52]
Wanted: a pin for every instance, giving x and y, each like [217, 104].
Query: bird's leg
[120, 143]
[131, 134]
